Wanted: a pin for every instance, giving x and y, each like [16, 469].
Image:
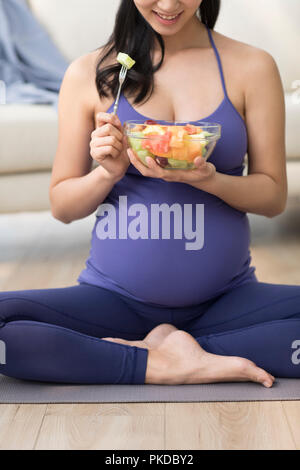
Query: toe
[256, 374]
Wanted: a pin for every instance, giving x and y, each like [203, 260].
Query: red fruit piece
[139, 128]
[158, 145]
[150, 122]
[190, 129]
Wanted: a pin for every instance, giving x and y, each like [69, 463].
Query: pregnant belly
[165, 272]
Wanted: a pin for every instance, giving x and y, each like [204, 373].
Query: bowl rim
[216, 135]
[205, 124]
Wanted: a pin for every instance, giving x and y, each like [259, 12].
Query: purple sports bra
[170, 244]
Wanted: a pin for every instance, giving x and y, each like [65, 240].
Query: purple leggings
[54, 335]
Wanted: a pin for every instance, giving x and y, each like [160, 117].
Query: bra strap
[218, 59]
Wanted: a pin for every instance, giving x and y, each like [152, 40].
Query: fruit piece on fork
[127, 63]
[126, 60]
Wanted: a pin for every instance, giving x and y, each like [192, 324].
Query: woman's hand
[205, 171]
[109, 144]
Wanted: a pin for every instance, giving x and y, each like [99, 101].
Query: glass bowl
[173, 144]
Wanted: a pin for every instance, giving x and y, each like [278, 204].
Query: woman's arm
[264, 190]
[75, 191]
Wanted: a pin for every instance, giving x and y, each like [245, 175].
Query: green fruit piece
[126, 60]
[142, 154]
[178, 163]
[205, 134]
[136, 141]
[190, 166]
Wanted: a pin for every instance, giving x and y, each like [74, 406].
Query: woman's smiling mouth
[167, 19]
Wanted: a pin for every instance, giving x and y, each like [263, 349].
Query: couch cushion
[76, 26]
[28, 137]
[292, 125]
[293, 175]
[25, 192]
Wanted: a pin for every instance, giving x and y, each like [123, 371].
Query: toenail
[267, 384]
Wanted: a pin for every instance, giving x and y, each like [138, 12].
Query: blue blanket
[31, 67]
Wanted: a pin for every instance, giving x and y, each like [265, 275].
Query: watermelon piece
[158, 145]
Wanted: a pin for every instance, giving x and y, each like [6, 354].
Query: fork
[122, 76]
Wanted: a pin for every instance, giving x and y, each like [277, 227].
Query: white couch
[28, 133]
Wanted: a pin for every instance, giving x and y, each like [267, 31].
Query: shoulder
[252, 69]
[252, 62]
[79, 79]
[83, 68]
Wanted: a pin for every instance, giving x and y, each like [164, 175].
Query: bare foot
[158, 334]
[179, 359]
[139, 344]
[152, 340]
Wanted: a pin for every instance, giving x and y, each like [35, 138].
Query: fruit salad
[172, 146]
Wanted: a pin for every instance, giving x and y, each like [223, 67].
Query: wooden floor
[38, 252]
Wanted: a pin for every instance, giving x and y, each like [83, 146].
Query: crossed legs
[85, 334]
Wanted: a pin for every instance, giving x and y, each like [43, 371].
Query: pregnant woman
[147, 310]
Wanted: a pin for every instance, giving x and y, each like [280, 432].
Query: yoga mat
[19, 391]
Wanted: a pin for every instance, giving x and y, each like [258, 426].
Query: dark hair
[134, 36]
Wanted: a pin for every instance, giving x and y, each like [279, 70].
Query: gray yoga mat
[18, 391]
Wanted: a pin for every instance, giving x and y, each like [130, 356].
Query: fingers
[165, 174]
[145, 170]
[206, 168]
[137, 163]
[108, 138]
[199, 161]
[107, 141]
[202, 172]
[153, 170]
[105, 118]
[108, 129]
[101, 153]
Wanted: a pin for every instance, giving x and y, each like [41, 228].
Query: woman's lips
[164, 21]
